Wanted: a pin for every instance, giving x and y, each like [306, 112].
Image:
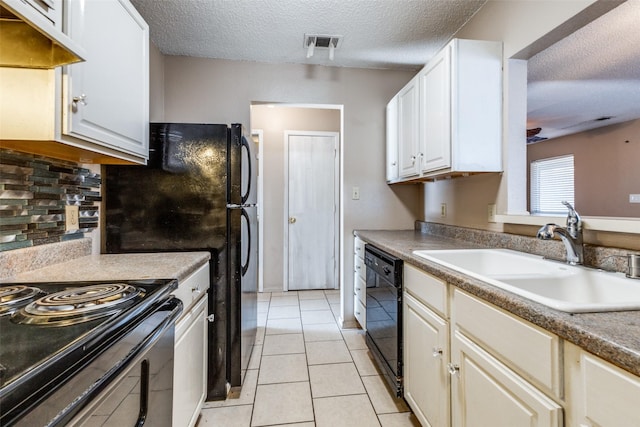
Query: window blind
[551, 183]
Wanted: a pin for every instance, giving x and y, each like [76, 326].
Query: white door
[312, 213]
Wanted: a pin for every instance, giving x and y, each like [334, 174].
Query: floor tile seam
[371, 400]
[282, 382]
[340, 395]
[310, 324]
[284, 354]
[322, 341]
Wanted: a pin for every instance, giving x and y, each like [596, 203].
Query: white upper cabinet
[458, 117]
[435, 112]
[392, 139]
[408, 129]
[95, 111]
[106, 98]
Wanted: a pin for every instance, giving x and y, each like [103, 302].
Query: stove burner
[77, 305]
[15, 296]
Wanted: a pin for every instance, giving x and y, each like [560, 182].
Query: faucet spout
[572, 246]
[571, 236]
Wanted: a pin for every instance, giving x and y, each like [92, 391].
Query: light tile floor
[305, 371]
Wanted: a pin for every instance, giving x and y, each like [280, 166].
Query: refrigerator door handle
[245, 266]
[245, 144]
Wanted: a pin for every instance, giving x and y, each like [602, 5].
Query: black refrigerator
[198, 192]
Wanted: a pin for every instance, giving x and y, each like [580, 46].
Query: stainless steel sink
[564, 287]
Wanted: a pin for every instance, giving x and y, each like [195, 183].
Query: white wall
[156, 84]
[206, 90]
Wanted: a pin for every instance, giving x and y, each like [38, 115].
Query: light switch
[634, 198]
[355, 193]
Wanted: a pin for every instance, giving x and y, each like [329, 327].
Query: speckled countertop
[170, 265]
[613, 336]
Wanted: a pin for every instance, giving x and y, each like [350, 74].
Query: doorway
[274, 120]
[311, 203]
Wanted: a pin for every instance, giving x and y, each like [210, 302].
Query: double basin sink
[561, 286]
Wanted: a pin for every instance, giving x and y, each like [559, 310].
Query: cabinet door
[484, 392]
[408, 129]
[599, 393]
[392, 140]
[106, 98]
[435, 112]
[189, 373]
[426, 381]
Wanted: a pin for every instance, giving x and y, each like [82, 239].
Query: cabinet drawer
[193, 287]
[360, 313]
[358, 247]
[360, 289]
[360, 268]
[426, 289]
[536, 353]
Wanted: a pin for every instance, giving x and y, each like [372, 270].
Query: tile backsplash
[34, 191]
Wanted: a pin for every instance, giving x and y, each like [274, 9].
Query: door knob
[292, 220]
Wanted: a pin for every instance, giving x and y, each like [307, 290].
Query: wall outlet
[443, 210]
[491, 212]
[71, 218]
[634, 198]
[355, 193]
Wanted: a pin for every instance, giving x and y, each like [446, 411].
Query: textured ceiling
[394, 34]
[591, 74]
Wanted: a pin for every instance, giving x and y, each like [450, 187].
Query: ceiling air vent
[321, 41]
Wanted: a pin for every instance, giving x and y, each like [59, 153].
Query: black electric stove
[51, 332]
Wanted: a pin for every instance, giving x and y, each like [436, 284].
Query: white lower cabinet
[487, 393]
[599, 394]
[359, 283]
[468, 363]
[426, 352]
[190, 350]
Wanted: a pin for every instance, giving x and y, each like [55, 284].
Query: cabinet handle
[437, 352]
[413, 159]
[357, 289]
[357, 267]
[393, 163]
[453, 369]
[82, 99]
[358, 313]
[195, 289]
[211, 317]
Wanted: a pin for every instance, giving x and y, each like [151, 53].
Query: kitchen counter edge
[612, 336]
[138, 266]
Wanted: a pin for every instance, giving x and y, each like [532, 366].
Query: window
[551, 183]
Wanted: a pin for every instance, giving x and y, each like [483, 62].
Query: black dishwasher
[384, 313]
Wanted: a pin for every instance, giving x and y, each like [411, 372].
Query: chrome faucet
[571, 235]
